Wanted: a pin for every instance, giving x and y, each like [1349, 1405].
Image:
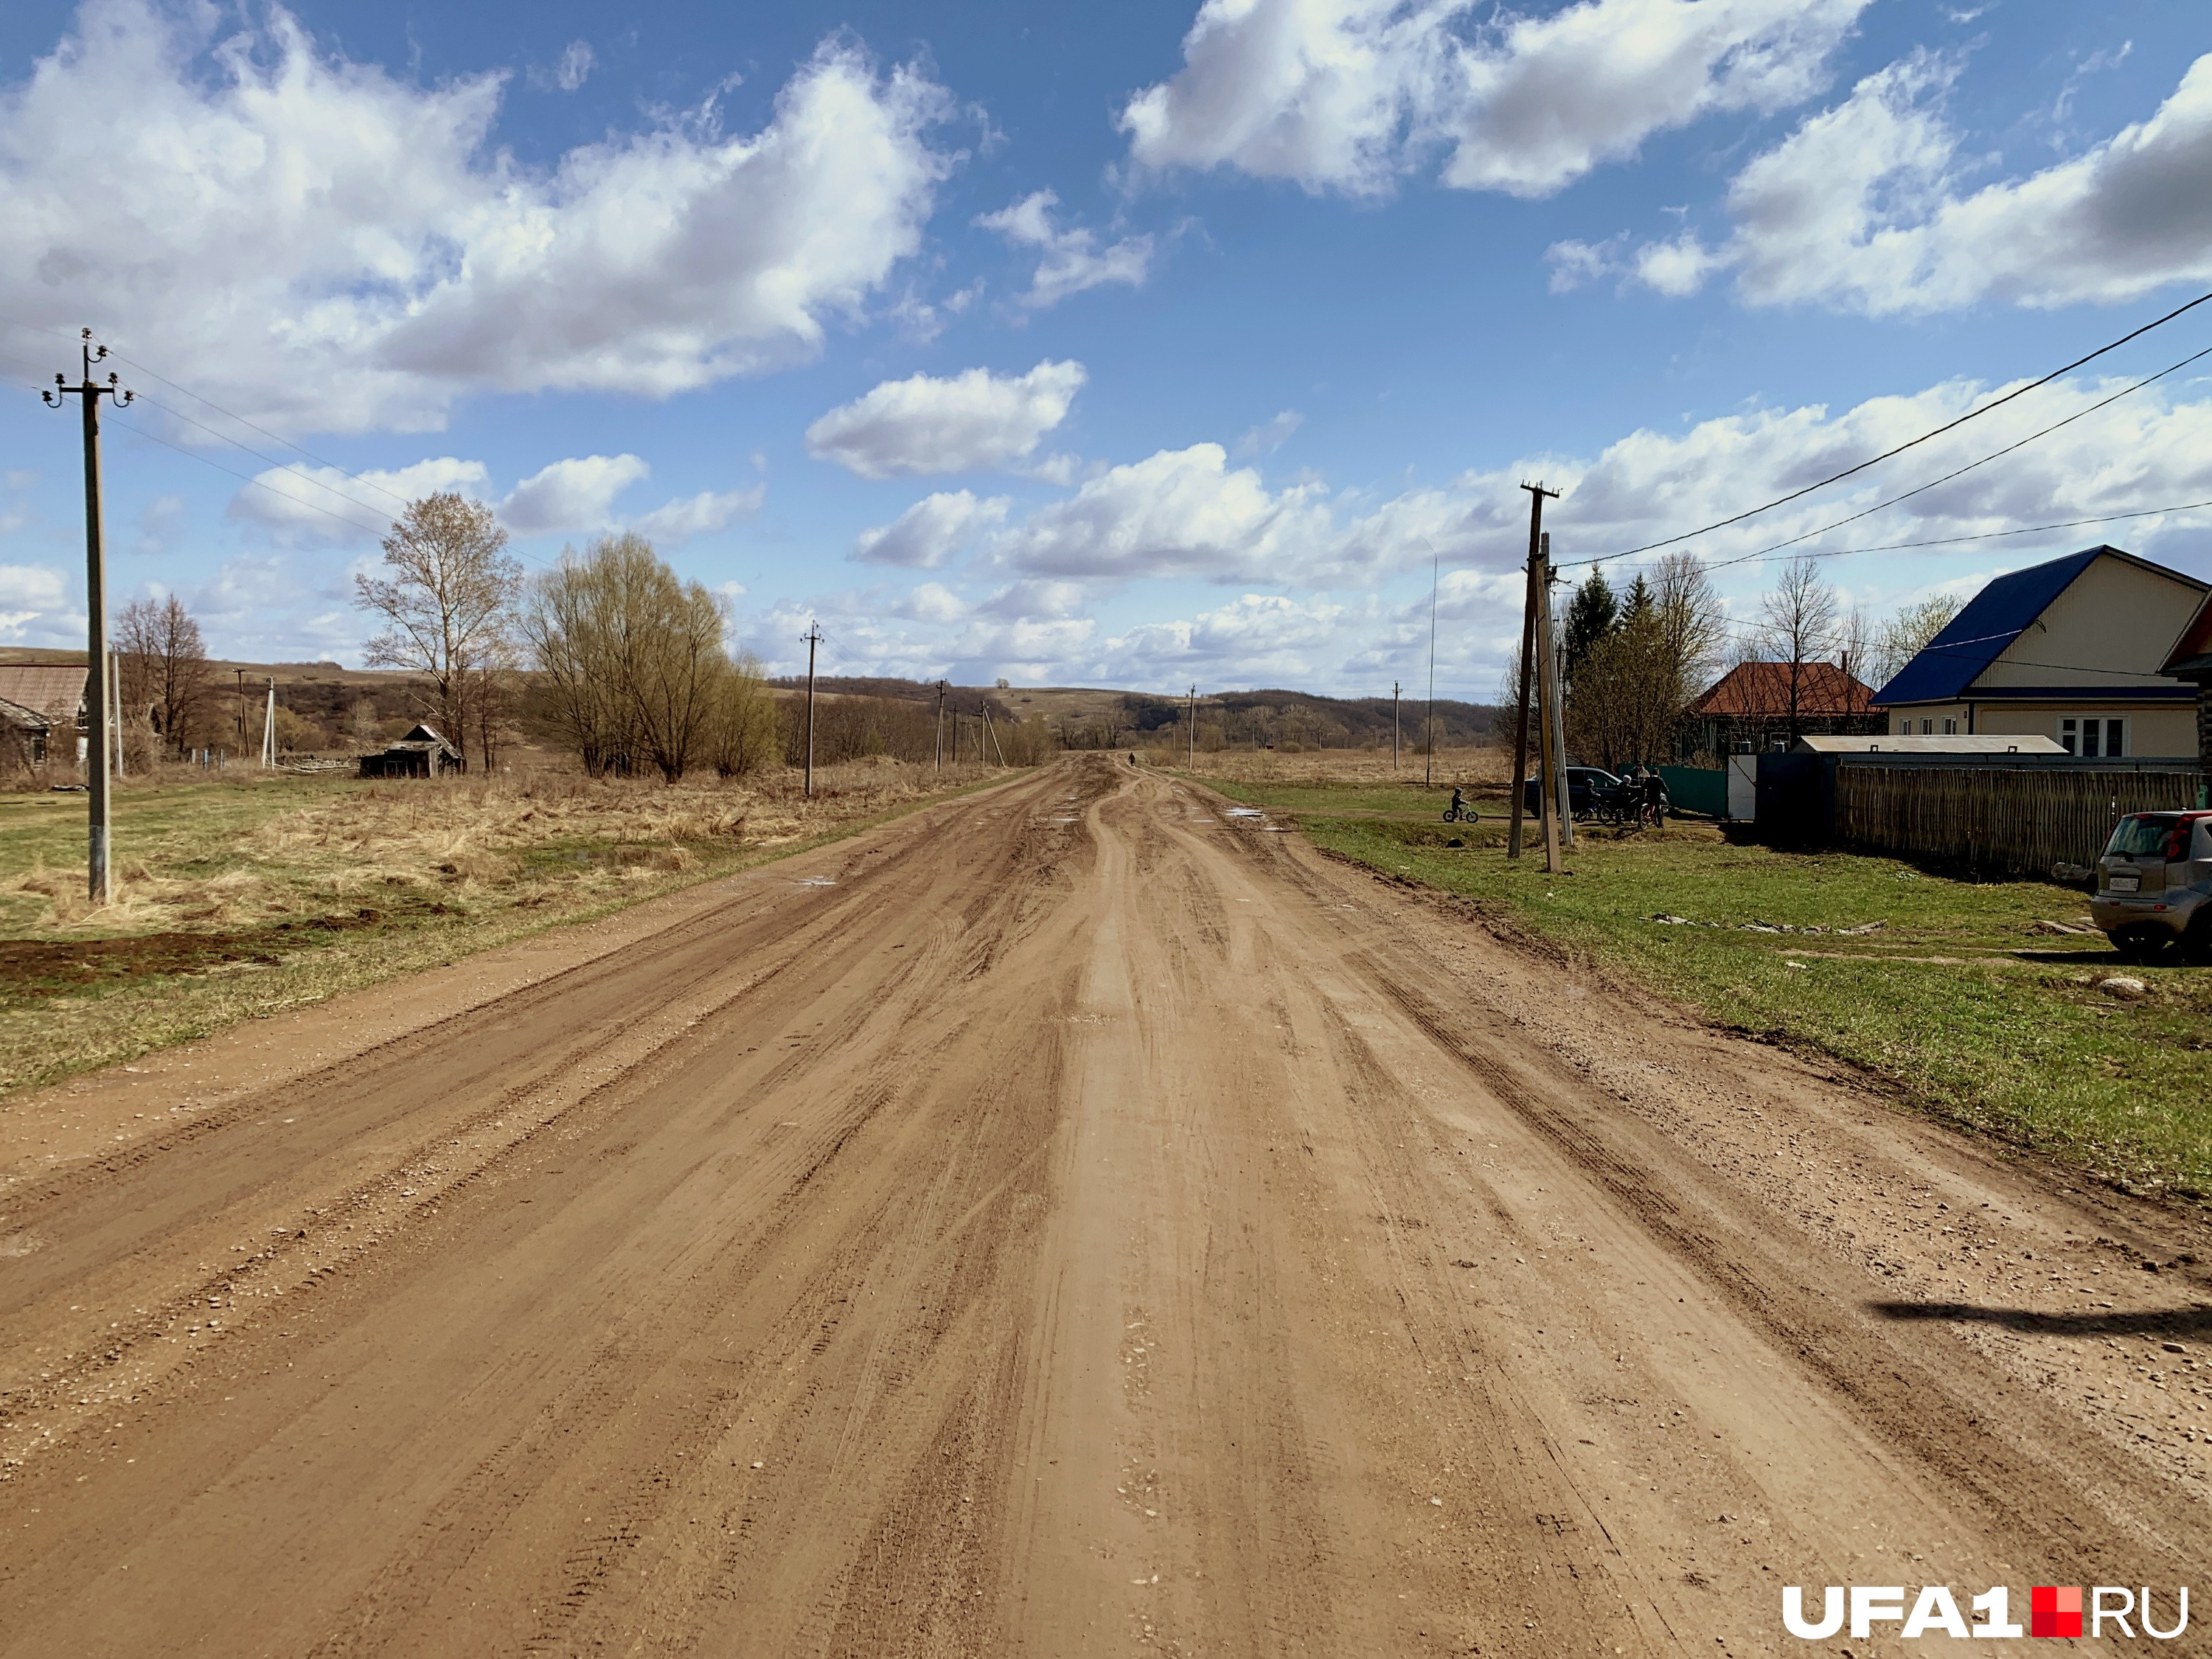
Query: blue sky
[1136, 345]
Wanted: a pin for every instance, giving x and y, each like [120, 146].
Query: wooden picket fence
[1997, 821]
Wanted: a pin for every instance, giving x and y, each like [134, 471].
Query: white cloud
[574, 495]
[1176, 512]
[1351, 94]
[1071, 260]
[1185, 514]
[1270, 436]
[930, 532]
[933, 602]
[1866, 206]
[576, 64]
[1254, 639]
[320, 503]
[923, 424]
[674, 523]
[29, 593]
[323, 245]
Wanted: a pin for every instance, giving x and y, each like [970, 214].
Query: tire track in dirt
[1124, 1234]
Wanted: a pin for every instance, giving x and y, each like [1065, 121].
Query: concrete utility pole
[1536, 494]
[241, 711]
[1555, 757]
[269, 729]
[813, 637]
[940, 726]
[1192, 765]
[98, 882]
[1393, 726]
[115, 685]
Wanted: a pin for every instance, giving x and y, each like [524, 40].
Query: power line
[282, 466]
[247, 478]
[198, 396]
[1957, 472]
[1949, 426]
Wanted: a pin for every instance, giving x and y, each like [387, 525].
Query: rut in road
[1080, 1223]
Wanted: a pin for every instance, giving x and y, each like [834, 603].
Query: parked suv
[2154, 885]
[1585, 785]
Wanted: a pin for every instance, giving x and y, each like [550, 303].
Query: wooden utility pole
[1393, 726]
[1192, 765]
[1550, 798]
[813, 638]
[1536, 494]
[1429, 738]
[241, 711]
[940, 727]
[98, 882]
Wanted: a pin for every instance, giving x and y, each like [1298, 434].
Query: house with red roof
[1757, 706]
[2082, 649]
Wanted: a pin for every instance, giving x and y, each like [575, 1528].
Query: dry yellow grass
[240, 897]
[1489, 764]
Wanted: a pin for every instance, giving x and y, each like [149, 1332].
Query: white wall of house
[2148, 730]
[2116, 620]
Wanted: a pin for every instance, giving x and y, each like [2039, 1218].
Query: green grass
[1957, 1000]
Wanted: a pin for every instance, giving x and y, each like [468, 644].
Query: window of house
[2092, 736]
[1927, 727]
[1950, 728]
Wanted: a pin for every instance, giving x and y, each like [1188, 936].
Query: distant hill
[1090, 717]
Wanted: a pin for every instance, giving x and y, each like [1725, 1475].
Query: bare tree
[1799, 620]
[1908, 633]
[161, 667]
[446, 607]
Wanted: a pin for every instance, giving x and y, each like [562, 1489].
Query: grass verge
[240, 899]
[1956, 992]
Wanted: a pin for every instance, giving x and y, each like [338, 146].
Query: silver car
[2155, 886]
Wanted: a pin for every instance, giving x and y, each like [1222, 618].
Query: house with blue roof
[2076, 650]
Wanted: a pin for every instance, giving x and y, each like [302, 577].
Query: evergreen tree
[1592, 614]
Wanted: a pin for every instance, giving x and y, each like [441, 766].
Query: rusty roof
[55, 691]
[1763, 689]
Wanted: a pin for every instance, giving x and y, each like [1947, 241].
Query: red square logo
[2054, 1610]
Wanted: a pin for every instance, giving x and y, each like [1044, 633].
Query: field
[240, 897]
[1977, 1001]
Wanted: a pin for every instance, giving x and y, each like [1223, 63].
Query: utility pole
[241, 711]
[1536, 494]
[1393, 726]
[1192, 764]
[813, 637]
[269, 730]
[1555, 756]
[1547, 715]
[115, 687]
[940, 727]
[98, 882]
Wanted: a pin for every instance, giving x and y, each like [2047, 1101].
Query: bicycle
[1464, 813]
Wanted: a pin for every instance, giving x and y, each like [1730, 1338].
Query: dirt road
[1069, 1221]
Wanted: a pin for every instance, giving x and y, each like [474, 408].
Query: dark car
[1584, 783]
